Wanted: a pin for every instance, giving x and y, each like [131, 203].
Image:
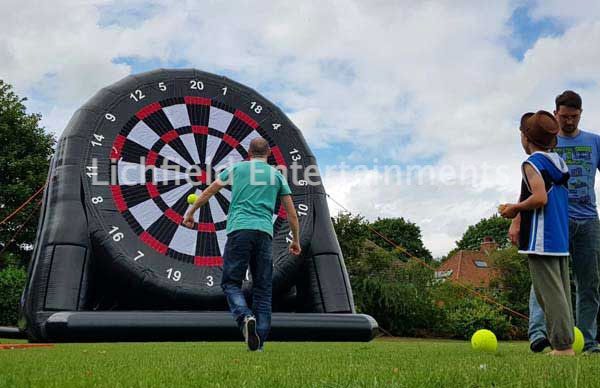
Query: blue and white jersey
[545, 231]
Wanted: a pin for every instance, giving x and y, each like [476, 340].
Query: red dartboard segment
[151, 159]
[282, 213]
[174, 216]
[230, 140]
[153, 243]
[115, 152]
[206, 227]
[118, 198]
[247, 119]
[191, 100]
[208, 261]
[152, 190]
[200, 129]
[169, 136]
[278, 156]
[147, 111]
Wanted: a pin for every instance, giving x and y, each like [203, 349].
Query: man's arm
[288, 205]
[201, 201]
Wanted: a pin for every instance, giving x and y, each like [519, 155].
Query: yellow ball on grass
[484, 341]
[579, 342]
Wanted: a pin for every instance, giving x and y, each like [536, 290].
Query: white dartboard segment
[177, 115]
[219, 119]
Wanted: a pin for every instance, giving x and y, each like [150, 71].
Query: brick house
[470, 267]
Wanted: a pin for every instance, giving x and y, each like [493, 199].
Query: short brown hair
[259, 147]
[568, 98]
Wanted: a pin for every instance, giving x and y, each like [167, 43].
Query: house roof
[468, 267]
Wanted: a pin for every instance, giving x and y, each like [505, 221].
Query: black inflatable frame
[82, 284]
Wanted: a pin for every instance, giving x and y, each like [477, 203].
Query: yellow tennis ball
[579, 342]
[192, 198]
[484, 341]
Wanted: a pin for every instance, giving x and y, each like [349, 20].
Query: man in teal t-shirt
[253, 202]
[255, 187]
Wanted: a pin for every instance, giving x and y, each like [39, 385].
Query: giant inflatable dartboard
[112, 258]
[161, 141]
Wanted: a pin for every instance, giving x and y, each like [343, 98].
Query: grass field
[402, 363]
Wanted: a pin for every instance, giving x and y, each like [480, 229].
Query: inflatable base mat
[11, 333]
[202, 326]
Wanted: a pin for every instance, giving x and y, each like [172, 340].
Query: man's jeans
[243, 248]
[584, 246]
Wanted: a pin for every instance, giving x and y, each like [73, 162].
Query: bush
[395, 293]
[464, 313]
[12, 281]
[473, 314]
[513, 285]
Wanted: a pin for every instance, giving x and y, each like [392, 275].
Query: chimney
[488, 245]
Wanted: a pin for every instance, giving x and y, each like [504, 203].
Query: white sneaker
[250, 334]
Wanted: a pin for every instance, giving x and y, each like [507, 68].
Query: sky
[428, 88]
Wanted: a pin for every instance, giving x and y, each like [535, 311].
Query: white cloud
[566, 13]
[400, 81]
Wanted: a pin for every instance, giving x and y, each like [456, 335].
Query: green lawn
[403, 363]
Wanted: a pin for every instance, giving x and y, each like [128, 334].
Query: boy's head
[538, 131]
[568, 110]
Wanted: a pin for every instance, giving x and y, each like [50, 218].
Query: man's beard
[569, 128]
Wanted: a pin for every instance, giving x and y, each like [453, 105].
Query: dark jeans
[253, 248]
[584, 241]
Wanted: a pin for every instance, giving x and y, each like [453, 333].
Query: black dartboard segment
[162, 137]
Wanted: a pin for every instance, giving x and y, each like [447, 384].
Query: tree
[402, 232]
[396, 293]
[24, 162]
[495, 226]
[513, 277]
[12, 281]
[351, 233]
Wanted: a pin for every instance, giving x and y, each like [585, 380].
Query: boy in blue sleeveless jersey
[581, 151]
[544, 232]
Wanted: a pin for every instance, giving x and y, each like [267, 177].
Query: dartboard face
[158, 139]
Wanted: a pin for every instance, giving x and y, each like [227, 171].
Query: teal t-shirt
[255, 187]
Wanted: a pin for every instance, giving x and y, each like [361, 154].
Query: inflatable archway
[112, 260]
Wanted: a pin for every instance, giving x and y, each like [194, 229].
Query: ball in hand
[192, 198]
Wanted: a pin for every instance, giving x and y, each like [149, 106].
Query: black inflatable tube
[12, 333]
[128, 326]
